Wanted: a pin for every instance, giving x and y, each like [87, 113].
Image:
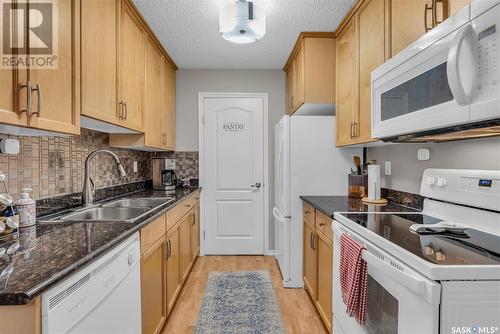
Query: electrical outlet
[388, 168]
[135, 167]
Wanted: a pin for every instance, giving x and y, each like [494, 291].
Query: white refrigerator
[306, 162]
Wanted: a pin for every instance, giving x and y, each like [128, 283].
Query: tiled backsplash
[54, 166]
[186, 164]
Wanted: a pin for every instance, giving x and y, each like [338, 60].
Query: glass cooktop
[468, 247]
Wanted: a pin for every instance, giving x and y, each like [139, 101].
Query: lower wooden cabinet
[310, 260]
[153, 284]
[173, 276]
[324, 249]
[318, 262]
[185, 249]
[169, 247]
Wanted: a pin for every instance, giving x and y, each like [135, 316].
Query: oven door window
[426, 90]
[382, 312]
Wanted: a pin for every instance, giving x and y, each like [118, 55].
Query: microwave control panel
[486, 28]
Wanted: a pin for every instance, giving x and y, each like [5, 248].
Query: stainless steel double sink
[123, 210]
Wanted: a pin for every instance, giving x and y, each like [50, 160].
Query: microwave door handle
[413, 283]
[453, 67]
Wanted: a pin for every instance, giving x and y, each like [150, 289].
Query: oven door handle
[413, 283]
[456, 79]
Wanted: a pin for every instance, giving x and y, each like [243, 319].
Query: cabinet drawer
[186, 205]
[324, 224]
[152, 233]
[173, 216]
[309, 213]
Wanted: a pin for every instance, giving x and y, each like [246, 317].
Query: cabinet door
[372, 53]
[131, 58]
[56, 104]
[153, 92]
[346, 89]
[9, 112]
[325, 269]
[168, 116]
[173, 267]
[290, 88]
[99, 60]
[185, 244]
[153, 284]
[195, 232]
[299, 71]
[408, 22]
[310, 260]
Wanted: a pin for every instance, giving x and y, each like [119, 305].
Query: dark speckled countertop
[49, 252]
[331, 204]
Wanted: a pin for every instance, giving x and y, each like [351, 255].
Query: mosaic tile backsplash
[186, 163]
[54, 166]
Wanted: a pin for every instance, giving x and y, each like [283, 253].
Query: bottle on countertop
[26, 208]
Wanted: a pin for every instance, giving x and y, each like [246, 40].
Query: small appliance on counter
[164, 177]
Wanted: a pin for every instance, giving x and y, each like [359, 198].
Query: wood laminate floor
[297, 309]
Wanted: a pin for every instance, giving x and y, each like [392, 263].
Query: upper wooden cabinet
[99, 60]
[168, 114]
[131, 68]
[47, 98]
[310, 77]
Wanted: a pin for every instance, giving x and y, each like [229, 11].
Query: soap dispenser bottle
[26, 208]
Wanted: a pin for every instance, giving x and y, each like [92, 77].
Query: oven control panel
[477, 188]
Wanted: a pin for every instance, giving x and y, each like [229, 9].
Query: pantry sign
[233, 126]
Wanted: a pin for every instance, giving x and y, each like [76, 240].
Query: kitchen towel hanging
[353, 278]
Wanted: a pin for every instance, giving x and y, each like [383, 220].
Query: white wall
[191, 82]
[407, 170]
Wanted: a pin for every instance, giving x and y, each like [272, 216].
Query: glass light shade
[242, 22]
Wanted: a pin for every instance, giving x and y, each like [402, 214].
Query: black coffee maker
[163, 179]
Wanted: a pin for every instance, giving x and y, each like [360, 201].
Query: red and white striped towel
[353, 278]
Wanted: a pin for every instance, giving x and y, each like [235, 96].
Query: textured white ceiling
[189, 30]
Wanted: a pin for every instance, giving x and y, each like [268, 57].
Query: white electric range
[437, 271]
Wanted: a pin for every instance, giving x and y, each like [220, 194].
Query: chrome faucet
[88, 184]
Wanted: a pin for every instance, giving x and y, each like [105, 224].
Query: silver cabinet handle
[355, 129]
[165, 244]
[119, 111]
[192, 219]
[126, 110]
[310, 240]
[350, 130]
[256, 185]
[169, 248]
[38, 91]
[27, 85]
[314, 241]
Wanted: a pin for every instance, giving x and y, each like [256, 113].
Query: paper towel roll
[373, 182]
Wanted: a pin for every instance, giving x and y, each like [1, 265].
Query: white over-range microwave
[446, 85]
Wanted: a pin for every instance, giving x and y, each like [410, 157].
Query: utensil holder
[358, 186]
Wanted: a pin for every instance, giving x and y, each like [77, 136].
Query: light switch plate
[388, 168]
[424, 154]
[135, 167]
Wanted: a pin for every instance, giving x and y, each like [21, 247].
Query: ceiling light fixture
[242, 22]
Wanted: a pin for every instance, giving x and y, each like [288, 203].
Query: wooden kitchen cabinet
[373, 51]
[407, 22]
[154, 133]
[456, 5]
[131, 68]
[318, 261]
[168, 115]
[347, 84]
[55, 92]
[99, 60]
[310, 260]
[195, 233]
[324, 249]
[310, 77]
[153, 288]
[174, 278]
[185, 247]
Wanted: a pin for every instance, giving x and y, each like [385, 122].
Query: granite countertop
[49, 252]
[331, 204]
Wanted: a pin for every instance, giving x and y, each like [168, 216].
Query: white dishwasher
[103, 297]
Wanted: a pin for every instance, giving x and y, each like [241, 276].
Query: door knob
[256, 185]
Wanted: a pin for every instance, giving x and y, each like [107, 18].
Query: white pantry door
[234, 175]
